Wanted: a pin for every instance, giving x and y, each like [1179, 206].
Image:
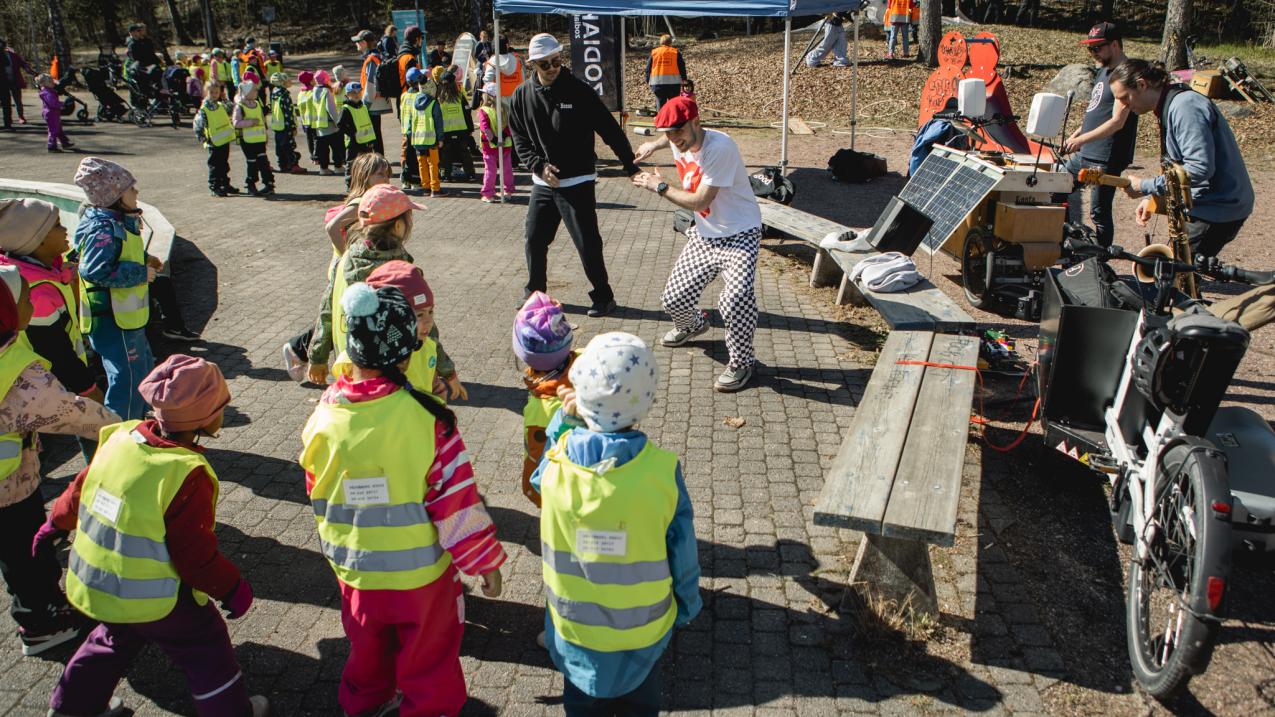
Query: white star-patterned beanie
[615, 380]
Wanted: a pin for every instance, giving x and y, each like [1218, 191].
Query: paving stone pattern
[775, 635]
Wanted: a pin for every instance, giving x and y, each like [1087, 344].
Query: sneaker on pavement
[733, 379]
[114, 708]
[540, 639]
[260, 705]
[599, 310]
[34, 643]
[489, 200]
[180, 334]
[677, 337]
[293, 364]
[231, 190]
[326, 172]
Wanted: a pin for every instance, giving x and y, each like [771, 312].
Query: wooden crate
[1025, 223]
[1209, 83]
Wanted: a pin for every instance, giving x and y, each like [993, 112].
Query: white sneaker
[293, 364]
[733, 379]
[114, 708]
[677, 337]
[260, 705]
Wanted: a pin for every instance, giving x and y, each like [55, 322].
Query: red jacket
[192, 545]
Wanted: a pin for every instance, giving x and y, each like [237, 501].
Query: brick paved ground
[776, 635]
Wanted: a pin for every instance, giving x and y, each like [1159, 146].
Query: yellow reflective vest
[424, 134]
[453, 117]
[406, 109]
[505, 140]
[319, 117]
[120, 570]
[420, 372]
[605, 561]
[277, 120]
[305, 108]
[72, 326]
[363, 132]
[255, 134]
[130, 305]
[369, 461]
[218, 129]
[13, 361]
[338, 312]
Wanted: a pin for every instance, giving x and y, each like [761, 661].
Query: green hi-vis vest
[424, 133]
[130, 305]
[363, 132]
[369, 461]
[120, 570]
[338, 312]
[277, 122]
[319, 108]
[605, 560]
[453, 116]
[72, 326]
[218, 128]
[504, 141]
[305, 108]
[406, 108]
[223, 71]
[420, 369]
[13, 361]
[537, 414]
[255, 134]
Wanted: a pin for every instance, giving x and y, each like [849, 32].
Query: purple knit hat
[542, 336]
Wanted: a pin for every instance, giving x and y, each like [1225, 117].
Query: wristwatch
[661, 188]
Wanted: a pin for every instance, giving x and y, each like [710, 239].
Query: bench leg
[849, 293]
[825, 271]
[896, 568]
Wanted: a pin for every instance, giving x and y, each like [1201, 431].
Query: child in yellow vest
[542, 340]
[250, 120]
[145, 562]
[356, 125]
[619, 556]
[387, 458]
[215, 129]
[32, 400]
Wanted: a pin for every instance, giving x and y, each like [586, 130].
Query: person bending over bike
[1194, 134]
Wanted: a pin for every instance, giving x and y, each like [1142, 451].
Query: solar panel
[946, 191]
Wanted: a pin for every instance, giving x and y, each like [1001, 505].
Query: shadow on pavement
[263, 475]
[281, 572]
[485, 395]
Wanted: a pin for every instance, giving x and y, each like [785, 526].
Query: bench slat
[803, 225]
[857, 489]
[927, 487]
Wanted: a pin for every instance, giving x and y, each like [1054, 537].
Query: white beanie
[491, 89]
[542, 46]
[614, 380]
[12, 279]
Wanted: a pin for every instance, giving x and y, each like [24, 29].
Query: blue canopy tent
[786, 9]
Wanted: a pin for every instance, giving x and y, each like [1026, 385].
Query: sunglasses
[548, 64]
[1093, 49]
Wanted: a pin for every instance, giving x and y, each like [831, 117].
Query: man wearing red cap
[723, 240]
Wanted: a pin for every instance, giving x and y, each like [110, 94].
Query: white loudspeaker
[1047, 114]
[971, 98]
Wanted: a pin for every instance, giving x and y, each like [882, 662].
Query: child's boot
[218, 191]
[231, 190]
[267, 190]
[115, 708]
[252, 189]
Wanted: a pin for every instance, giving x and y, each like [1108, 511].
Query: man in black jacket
[553, 119]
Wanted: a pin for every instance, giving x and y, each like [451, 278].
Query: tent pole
[854, 86]
[783, 129]
[619, 89]
[500, 123]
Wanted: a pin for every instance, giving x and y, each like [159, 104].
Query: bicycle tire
[1192, 479]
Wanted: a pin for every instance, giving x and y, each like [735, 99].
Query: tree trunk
[930, 32]
[1177, 26]
[61, 46]
[1108, 11]
[475, 16]
[210, 24]
[156, 32]
[179, 27]
[110, 22]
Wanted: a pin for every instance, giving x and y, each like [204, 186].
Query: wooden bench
[922, 307]
[157, 232]
[897, 475]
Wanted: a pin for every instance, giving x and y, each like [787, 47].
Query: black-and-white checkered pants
[734, 257]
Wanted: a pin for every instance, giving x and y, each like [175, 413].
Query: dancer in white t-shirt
[723, 240]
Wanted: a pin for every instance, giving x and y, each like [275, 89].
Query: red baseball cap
[1102, 32]
[407, 278]
[675, 113]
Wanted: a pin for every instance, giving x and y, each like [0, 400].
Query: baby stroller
[148, 97]
[175, 84]
[70, 101]
[110, 106]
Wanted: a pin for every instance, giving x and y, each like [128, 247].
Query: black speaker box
[901, 227]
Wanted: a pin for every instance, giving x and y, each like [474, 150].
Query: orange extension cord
[980, 419]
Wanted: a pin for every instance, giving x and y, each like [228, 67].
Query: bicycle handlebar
[1208, 265]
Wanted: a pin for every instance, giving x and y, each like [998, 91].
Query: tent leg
[500, 122]
[783, 129]
[854, 86]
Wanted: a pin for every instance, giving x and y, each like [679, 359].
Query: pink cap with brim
[185, 392]
[383, 203]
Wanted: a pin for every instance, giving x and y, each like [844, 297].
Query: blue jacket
[611, 674]
[1198, 137]
[99, 238]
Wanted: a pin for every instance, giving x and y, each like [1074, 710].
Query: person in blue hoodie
[115, 275]
[620, 561]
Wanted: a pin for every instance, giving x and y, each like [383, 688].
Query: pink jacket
[46, 298]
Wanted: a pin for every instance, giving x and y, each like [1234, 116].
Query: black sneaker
[252, 189]
[68, 626]
[231, 190]
[218, 192]
[599, 310]
[267, 190]
[180, 334]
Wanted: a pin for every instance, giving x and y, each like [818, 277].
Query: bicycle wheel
[1175, 596]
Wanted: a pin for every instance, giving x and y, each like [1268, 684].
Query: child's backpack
[387, 80]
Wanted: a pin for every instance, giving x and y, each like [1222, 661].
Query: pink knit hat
[102, 180]
[383, 203]
[306, 78]
[542, 336]
[185, 392]
[322, 78]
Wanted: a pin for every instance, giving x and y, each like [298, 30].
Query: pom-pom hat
[542, 336]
